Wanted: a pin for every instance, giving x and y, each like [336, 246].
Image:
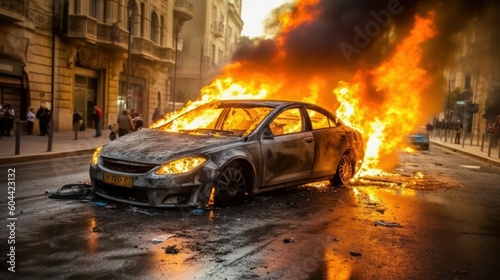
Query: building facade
[75, 54]
[474, 79]
[206, 44]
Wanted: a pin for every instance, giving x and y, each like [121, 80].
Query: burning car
[225, 152]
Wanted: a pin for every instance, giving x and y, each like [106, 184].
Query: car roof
[262, 102]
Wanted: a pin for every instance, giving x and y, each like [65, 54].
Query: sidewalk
[34, 147]
[467, 149]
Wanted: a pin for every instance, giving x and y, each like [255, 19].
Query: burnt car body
[244, 147]
[420, 138]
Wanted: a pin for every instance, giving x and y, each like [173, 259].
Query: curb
[48, 155]
[460, 151]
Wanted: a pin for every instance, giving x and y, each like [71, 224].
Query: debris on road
[161, 238]
[172, 249]
[386, 224]
[72, 191]
[137, 210]
[288, 240]
[100, 203]
[355, 254]
[96, 229]
[198, 211]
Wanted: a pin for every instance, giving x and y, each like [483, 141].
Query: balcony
[14, 10]
[148, 50]
[183, 10]
[217, 29]
[114, 37]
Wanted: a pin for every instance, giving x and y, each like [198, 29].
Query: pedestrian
[458, 131]
[43, 116]
[30, 118]
[125, 123]
[77, 120]
[496, 132]
[9, 119]
[96, 117]
[138, 121]
[156, 115]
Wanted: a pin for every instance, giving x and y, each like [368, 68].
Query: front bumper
[152, 190]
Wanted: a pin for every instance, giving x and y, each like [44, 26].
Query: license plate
[117, 180]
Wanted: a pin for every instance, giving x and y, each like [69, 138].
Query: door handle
[308, 140]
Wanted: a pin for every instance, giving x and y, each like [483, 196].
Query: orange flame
[399, 81]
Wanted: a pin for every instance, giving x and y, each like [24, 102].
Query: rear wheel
[345, 171]
[231, 185]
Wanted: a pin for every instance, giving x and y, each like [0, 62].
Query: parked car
[420, 138]
[227, 150]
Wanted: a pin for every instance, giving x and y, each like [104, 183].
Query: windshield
[219, 120]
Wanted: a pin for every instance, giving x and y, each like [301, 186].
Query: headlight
[95, 156]
[182, 165]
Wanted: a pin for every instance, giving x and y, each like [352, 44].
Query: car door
[287, 149]
[330, 141]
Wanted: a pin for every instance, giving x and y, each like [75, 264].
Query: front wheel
[345, 171]
[230, 186]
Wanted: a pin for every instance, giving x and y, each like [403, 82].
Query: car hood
[158, 147]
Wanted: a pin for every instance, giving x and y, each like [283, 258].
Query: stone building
[73, 55]
[474, 79]
[207, 42]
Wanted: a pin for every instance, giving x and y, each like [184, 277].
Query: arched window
[155, 28]
[162, 31]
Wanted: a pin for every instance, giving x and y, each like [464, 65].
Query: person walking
[458, 131]
[125, 123]
[495, 127]
[96, 117]
[43, 116]
[9, 119]
[30, 118]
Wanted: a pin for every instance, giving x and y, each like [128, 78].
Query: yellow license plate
[122, 181]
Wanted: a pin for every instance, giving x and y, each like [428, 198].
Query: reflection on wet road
[427, 219]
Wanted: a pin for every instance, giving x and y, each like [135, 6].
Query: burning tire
[345, 171]
[231, 185]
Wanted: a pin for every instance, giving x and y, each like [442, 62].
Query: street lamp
[130, 13]
[177, 30]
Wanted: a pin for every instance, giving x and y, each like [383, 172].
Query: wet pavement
[436, 216]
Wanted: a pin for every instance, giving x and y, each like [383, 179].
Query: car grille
[121, 192]
[127, 166]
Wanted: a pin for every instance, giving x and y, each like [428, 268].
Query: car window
[226, 120]
[289, 121]
[199, 118]
[319, 120]
[243, 121]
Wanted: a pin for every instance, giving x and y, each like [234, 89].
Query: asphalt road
[436, 217]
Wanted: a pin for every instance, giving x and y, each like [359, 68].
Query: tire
[230, 186]
[425, 147]
[345, 171]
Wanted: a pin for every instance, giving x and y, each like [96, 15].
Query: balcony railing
[184, 9]
[149, 50]
[217, 28]
[113, 36]
[15, 10]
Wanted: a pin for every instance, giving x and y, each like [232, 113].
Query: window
[319, 120]
[289, 121]
[155, 29]
[467, 82]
